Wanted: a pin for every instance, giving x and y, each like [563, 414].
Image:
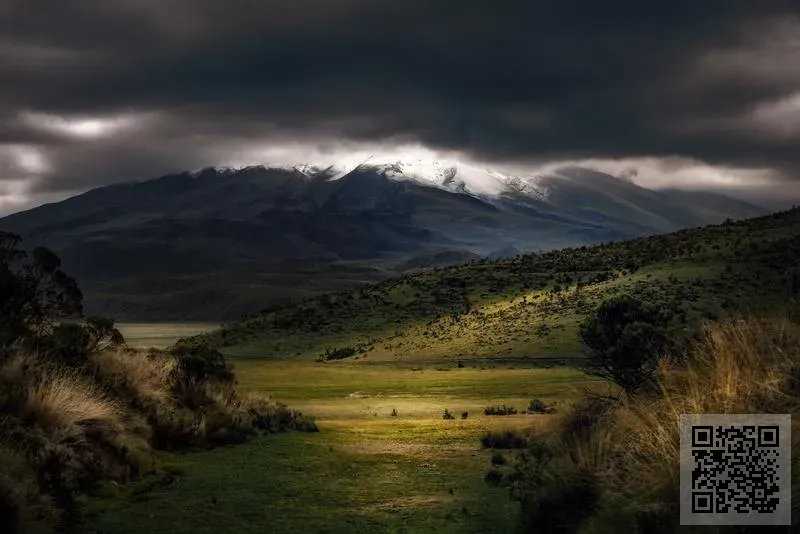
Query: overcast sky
[690, 93]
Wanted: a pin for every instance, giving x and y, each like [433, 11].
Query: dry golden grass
[145, 376]
[61, 399]
[740, 366]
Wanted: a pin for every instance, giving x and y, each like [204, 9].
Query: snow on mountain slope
[570, 191]
[448, 175]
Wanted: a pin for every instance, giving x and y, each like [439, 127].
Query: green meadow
[365, 470]
[379, 365]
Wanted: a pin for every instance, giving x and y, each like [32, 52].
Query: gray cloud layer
[714, 81]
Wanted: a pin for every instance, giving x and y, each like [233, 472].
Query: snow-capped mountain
[153, 246]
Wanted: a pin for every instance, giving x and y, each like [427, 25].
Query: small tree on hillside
[36, 294]
[37, 301]
[624, 340]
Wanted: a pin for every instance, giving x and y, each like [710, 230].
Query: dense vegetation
[78, 409]
[534, 304]
[570, 478]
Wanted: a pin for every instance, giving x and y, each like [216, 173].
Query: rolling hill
[219, 243]
[529, 306]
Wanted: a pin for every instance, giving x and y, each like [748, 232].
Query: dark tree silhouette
[35, 294]
[624, 339]
[38, 301]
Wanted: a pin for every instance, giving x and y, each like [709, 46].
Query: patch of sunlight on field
[366, 470]
[160, 335]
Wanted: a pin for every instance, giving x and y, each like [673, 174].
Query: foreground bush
[575, 473]
[64, 431]
[77, 409]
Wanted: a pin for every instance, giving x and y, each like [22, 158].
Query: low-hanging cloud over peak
[93, 92]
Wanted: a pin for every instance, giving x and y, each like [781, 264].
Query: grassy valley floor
[398, 345]
[366, 470]
[160, 335]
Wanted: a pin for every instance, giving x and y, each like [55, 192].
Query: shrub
[174, 428]
[464, 415]
[508, 439]
[67, 471]
[71, 344]
[537, 406]
[498, 458]
[304, 423]
[200, 363]
[339, 353]
[275, 417]
[625, 339]
[500, 410]
[144, 379]
[447, 414]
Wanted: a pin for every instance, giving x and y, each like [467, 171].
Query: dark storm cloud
[504, 80]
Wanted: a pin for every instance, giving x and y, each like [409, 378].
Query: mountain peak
[444, 174]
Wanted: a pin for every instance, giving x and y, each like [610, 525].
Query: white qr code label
[736, 469]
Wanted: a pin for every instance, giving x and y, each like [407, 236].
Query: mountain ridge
[123, 241]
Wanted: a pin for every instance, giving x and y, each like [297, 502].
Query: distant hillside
[530, 305]
[219, 243]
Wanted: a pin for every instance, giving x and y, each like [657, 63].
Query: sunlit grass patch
[366, 470]
[160, 335]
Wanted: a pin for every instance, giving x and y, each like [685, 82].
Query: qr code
[735, 469]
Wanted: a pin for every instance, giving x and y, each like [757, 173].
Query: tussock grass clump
[63, 435]
[61, 400]
[739, 366]
[144, 377]
[65, 430]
